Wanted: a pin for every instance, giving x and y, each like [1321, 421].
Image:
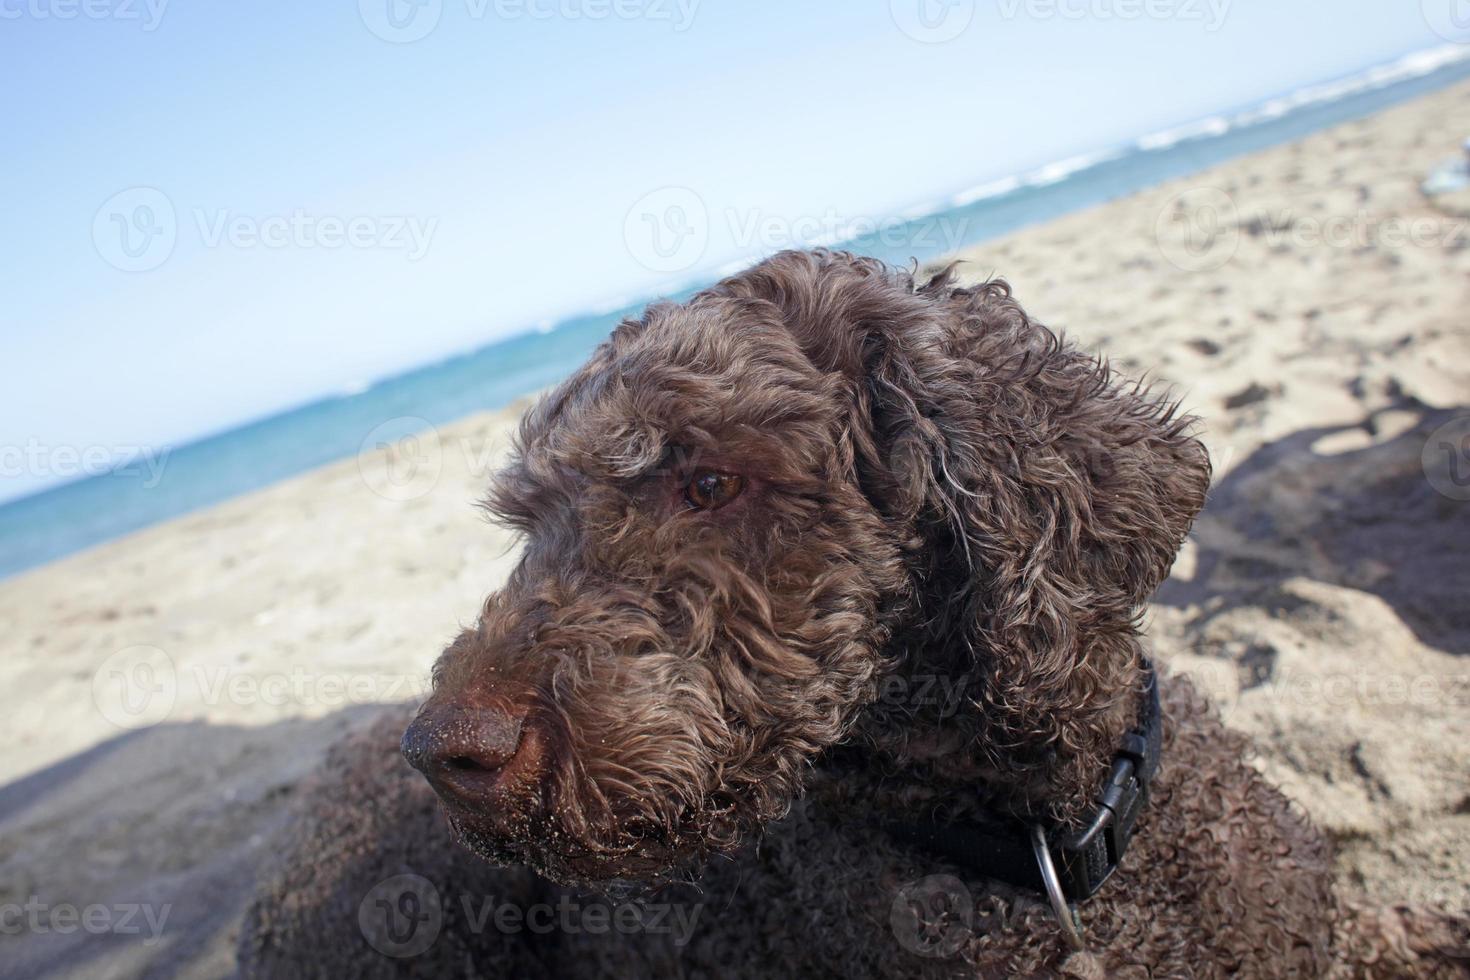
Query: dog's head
[746, 512]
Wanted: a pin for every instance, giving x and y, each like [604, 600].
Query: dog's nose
[465, 750]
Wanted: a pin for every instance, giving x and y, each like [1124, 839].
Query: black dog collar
[1080, 862]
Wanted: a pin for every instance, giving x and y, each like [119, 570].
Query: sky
[216, 211]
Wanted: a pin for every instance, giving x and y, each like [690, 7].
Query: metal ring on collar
[1066, 915]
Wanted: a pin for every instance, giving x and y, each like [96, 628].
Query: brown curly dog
[824, 570]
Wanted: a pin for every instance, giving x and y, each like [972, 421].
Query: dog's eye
[709, 490]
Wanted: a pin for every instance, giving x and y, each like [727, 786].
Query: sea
[77, 515]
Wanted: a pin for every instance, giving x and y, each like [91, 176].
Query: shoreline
[323, 430]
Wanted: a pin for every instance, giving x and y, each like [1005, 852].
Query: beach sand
[166, 692]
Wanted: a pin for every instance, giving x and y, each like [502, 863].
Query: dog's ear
[859, 321]
[1048, 501]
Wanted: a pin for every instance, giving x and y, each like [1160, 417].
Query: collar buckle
[1091, 855]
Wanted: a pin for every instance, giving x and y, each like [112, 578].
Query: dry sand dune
[1308, 302]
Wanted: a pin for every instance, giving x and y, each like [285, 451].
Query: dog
[825, 642]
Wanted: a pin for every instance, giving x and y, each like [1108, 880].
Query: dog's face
[698, 611]
[746, 512]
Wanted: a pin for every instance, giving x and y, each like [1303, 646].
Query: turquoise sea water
[69, 518]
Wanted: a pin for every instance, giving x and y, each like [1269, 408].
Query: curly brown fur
[1379, 943]
[934, 487]
[1225, 878]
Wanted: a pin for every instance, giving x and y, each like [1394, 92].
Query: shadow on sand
[157, 835]
[1390, 519]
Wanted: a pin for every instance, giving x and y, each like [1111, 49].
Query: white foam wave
[1199, 129]
[1051, 173]
[1410, 66]
[1060, 170]
[994, 188]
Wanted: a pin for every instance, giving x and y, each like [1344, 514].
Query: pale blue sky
[515, 136]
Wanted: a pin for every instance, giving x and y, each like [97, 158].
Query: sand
[166, 692]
